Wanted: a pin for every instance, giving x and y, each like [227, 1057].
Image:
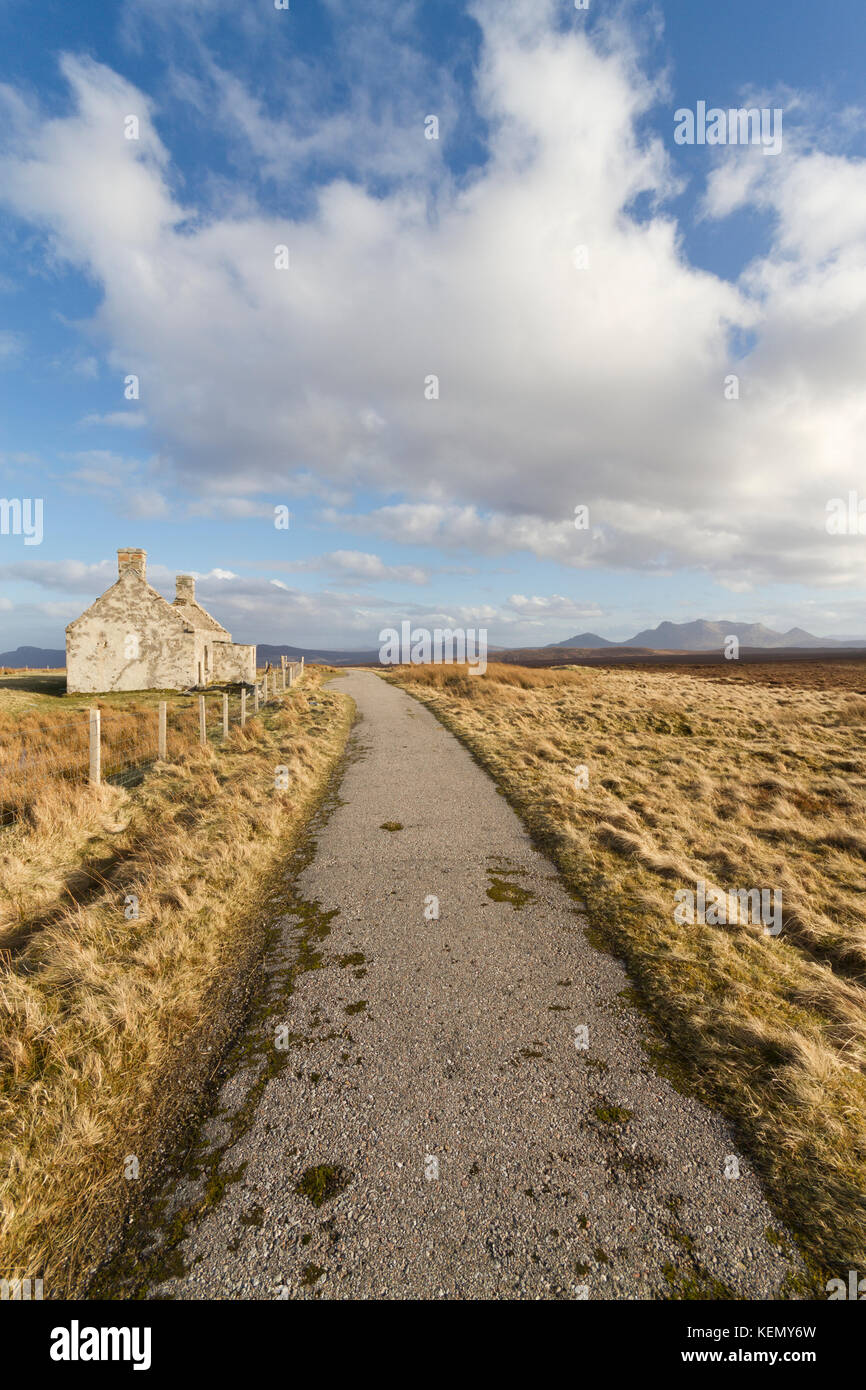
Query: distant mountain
[704, 636]
[585, 639]
[33, 657]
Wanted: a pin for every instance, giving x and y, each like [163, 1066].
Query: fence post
[283, 669]
[256, 695]
[275, 684]
[95, 749]
[225, 715]
[243, 706]
[202, 726]
[162, 738]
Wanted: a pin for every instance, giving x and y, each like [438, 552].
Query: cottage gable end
[129, 591]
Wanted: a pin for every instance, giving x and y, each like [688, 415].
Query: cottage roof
[198, 617]
[186, 602]
[185, 614]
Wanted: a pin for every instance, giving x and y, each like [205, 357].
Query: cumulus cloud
[557, 386]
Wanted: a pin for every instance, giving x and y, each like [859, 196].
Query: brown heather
[109, 1028]
[743, 784]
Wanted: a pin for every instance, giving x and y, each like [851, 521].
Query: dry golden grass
[107, 1021]
[741, 785]
[44, 734]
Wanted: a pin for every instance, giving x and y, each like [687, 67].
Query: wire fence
[120, 746]
[43, 748]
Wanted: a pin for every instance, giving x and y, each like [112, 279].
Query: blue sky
[604, 385]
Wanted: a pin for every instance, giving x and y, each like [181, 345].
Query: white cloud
[558, 386]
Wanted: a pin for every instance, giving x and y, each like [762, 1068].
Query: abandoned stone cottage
[132, 638]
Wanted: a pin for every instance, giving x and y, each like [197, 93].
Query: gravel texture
[464, 1145]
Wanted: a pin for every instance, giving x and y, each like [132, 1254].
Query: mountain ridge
[704, 635]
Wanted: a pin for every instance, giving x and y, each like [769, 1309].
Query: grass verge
[742, 785]
[113, 1023]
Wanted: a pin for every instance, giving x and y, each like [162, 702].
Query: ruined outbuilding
[132, 638]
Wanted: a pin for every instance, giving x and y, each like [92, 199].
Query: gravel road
[463, 1106]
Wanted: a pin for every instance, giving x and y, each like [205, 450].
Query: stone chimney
[184, 589]
[131, 559]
